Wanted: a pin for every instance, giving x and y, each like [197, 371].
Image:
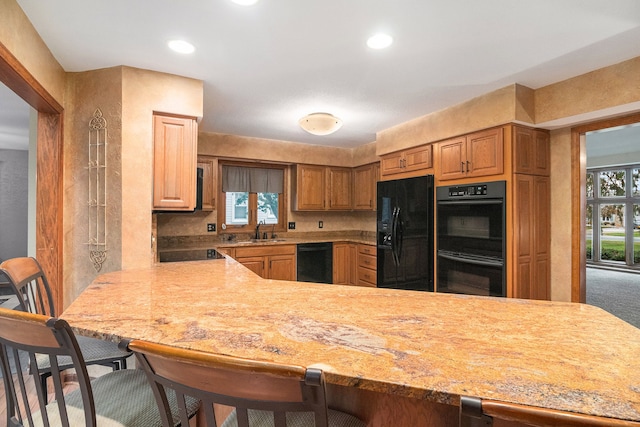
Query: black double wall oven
[470, 239]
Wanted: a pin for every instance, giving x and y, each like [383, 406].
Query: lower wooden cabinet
[345, 258]
[354, 264]
[269, 262]
[367, 266]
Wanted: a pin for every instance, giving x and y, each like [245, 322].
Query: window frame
[253, 201]
[596, 201]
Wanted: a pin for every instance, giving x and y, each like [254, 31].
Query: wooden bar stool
[261, 393]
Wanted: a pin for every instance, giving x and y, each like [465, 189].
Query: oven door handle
[475, 261]
[471, 202]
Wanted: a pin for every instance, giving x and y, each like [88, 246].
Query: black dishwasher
[315, 262]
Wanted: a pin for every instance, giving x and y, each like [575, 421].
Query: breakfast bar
[386, 353]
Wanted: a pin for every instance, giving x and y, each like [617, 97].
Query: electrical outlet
[292, 226]
[211, 227]
[320, 224]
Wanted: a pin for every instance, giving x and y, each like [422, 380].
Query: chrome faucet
[257, 236]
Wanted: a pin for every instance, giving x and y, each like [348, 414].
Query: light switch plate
[211, 227]
[292, 226]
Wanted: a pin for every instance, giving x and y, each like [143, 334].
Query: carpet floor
[616, 292]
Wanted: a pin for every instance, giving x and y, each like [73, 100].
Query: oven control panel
[468, 190]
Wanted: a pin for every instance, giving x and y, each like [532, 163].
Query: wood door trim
[579, 199]
[17, 78]
[49, 174]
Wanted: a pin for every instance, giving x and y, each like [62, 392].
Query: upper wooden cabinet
[209, 167]
[364, 187]
[407, 162]
[476, 154]
[174, 162]
[531, 151]
[309, 187]
[318, 188]
[339, 188]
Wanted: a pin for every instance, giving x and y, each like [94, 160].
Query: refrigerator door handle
[399, 235]
[394, 233]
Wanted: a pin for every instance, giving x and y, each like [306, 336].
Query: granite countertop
[438, 347]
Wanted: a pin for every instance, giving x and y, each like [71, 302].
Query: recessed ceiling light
[181, 46]
[379, 41]
[245, 2]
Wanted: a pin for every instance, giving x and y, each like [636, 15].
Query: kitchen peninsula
[391, 357]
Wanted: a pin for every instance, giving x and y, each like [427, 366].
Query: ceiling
[267, 65]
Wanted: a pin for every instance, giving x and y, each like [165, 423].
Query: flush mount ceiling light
[181, 46]
[320, 123]
[245, 2]
[379, 41]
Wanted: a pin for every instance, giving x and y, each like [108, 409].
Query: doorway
[609, 201]
[16, 184]
[48, 165]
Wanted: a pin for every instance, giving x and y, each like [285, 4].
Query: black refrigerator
[405, 233]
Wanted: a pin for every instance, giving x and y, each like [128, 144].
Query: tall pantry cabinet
[531, 214]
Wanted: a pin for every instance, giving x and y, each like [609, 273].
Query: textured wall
[127, 98]
[87, 92]
[561, 215]
[581, 98]
[23, 41]
[506, 105]
[13, 203]
[144, 92]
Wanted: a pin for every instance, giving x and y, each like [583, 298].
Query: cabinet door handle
[461, 167]
[467, 166]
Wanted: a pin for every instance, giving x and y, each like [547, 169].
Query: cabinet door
[453, 159]
[282, 267]
[341, 261]
[541, 278]
[531, 151]
[522, 234]
[174, 163]
[418, 158]
[310, 187]
[485, 153]
[255, 264]
[531, 207]
[340, 189]
[364, 187]
[209, 167]
[391, 164]
[352, 265]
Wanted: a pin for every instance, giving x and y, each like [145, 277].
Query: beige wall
[145, 92]
[21, 39]
[513, 103]
[561, 215]
[86, 93]
[240, 147]
[127, 98]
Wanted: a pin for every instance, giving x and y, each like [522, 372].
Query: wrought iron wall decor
[97, 179]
